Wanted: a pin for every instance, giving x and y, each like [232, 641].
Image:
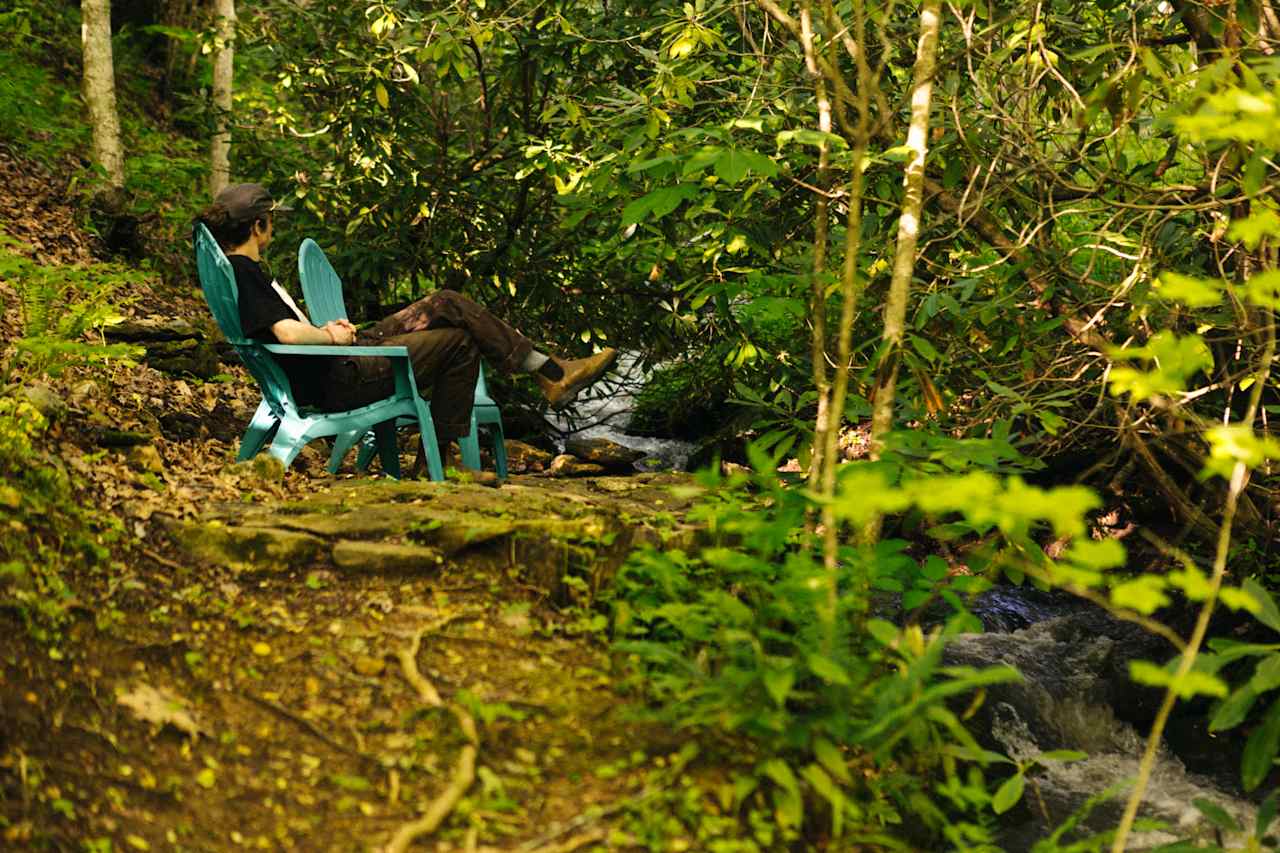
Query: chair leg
[288, 443]
[342, 443]
[388, 450]
[499, 450]
[470, 446]
[427, 432]
[368, 447]
[260, 431]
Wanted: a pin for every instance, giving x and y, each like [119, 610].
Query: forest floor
[236, 677]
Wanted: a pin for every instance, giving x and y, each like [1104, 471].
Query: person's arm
[297, 332]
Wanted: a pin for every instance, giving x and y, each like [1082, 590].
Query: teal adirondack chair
[279, 419]
[322, 290]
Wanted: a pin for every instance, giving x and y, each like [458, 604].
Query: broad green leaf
[1145, 594]
[828, 670]
[1263, 289]
[1008, 794]
[1260, 749]
[886, 633]
[778, 682]
[1262, 222]
[831, 792]
[1216, 814]
[1266, 675]
[1062, 755]
[1189, 290]
[1233, 710]
[787, 799]
[1266, 813]
[1268, 614]
[1193, 683]
[380, 92]
[829, 756]
[1237, 443]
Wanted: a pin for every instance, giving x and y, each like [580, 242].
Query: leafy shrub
[60, 305]
[837, 723]
[43, 530]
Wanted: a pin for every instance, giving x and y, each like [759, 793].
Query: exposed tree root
[465, 772]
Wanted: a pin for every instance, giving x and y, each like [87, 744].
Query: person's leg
[501, 344]
[560, 379]
[445, 363]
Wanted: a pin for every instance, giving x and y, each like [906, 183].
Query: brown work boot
[578, 374]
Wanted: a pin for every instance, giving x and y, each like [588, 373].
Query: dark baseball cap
[248, 201]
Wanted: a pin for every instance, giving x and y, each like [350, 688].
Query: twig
[164, 561]
[311, 728]
[539, 844]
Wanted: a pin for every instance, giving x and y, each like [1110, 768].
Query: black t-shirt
[261, 308]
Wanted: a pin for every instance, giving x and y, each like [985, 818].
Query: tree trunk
[895, 311]
[100, 89]
[223, 65]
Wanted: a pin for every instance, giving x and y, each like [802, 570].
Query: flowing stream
[605, 411]
[1076, 695]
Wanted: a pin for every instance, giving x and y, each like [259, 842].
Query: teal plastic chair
[279, 418]
[322, 290]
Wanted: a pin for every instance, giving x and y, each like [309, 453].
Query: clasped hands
[341, 332]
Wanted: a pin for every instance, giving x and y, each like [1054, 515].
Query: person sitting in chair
[445, 333]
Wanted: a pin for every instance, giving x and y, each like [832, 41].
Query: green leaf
[1266, 676]
[1008, 794]
[1266, 814]
[829, 756]
[789, 803]
[1217, 815]
[1193, 683]
[1189, 290]
[885, 633]
[828, 670]
[822, 783]
[731, 167]
[1062, 755]
[1233, 709]
[1145, 594]
[380, 92]
[1268, 614]
[778, 682]
[1264, 289]
[1260, 750]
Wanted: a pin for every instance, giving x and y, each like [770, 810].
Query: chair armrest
[401, 369]
[326, 349]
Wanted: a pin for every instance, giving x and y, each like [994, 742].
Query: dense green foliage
[1096, 272]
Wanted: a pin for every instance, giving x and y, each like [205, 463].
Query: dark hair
[227, 231]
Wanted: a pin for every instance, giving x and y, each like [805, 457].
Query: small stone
[46, 400]
[145, 457]
[367, 665]
[565, 465]
[524, 458]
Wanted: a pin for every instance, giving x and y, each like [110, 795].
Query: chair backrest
[218, 282]
[321, 287]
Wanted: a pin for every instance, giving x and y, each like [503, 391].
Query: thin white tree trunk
[223, 74]
[895, 311]
[100, 89]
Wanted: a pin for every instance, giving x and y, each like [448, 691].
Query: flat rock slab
[544, 528]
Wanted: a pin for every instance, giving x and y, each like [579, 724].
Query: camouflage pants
[446, 335]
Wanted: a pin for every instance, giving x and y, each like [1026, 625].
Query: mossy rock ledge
[542, 529]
